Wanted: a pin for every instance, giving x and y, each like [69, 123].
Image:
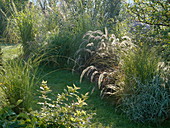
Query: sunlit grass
[10, 51]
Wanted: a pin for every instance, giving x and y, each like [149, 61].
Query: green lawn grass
[58, 79]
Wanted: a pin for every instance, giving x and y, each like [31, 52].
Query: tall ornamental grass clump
[25, 27]
[65, 41]
[61, 48]
[6, 10]
[99, 57]
[17, 83]
[140, 65]
[145, 95]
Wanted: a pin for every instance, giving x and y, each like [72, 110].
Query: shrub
[149, 103]
[66, 111]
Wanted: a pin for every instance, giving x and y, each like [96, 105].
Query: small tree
[156, 14]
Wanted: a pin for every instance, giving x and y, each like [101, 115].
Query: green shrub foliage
[65, 112]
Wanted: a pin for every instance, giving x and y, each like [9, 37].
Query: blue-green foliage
[145, 94]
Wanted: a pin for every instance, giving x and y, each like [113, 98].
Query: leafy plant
[7, 118]
[65, 111]
[151, 12]
[150, 20]
[149, 103]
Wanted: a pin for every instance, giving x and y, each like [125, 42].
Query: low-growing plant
[7, 117]
[66, 111]
[149, 103]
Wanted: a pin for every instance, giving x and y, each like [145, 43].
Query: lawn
[58, 79]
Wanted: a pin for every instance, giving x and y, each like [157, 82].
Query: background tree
[152, 12]
[156, 14]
